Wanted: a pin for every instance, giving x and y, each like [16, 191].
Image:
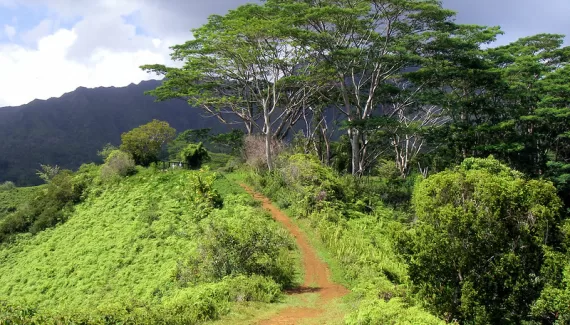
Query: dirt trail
[317, 273]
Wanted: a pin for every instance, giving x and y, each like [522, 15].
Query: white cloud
[10, 31]
[100, 46]
[47, 72]
[44, 28]
[103, 31]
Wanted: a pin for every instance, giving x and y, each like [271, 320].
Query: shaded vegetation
[14, 199]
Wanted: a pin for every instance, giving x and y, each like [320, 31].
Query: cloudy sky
[49, 47]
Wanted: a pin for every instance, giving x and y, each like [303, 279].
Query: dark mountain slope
[69, 130]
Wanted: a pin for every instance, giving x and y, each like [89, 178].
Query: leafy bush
[118, 164]
[236, 242]
[194, 155]
[476, 250]
[553, 306]
[7, 186]
[303, 180]
[145, 142]
[393, 311]
[16, 199]
[106, 151]
[52, 205]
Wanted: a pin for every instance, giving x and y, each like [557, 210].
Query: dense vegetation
[131, 250]
[12, 198]
[479, 244]
[445, 201]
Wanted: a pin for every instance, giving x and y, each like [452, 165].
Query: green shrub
[51, 205]
[145, 142]
[237, 242]
[13, 200]
[393, 311]
[301, 184]
[7, 186]
[118, 164]
[194, 155]
[476, 250]
[106, 151]
[15, 223]
[553, 306]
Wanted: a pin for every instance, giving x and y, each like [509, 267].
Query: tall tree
[246, 63]
[553, 122]
[362, 45]
[146, 142]
[505, 101]
[457, 77]
[526, 66]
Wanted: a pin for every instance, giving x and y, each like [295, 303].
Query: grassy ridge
[122, 252]
[107, 251]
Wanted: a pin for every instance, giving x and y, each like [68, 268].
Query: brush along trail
[317, 274]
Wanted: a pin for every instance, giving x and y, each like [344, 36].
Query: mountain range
[69, 130]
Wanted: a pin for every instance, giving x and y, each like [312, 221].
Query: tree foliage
[194, 155]
[146, 142]
[476, 249]
[117, 164]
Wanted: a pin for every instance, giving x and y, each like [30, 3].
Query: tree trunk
[355, 145]
[268, 136]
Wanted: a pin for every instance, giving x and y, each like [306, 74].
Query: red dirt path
[317, 273]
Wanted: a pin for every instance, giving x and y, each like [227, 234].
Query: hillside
[69, 130]
[129, 252]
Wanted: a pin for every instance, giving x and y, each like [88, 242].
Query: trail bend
[317, 273]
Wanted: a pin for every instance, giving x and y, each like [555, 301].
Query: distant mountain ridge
[69, 130]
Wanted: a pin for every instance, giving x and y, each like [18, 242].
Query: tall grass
[117, 257]
[358, 231]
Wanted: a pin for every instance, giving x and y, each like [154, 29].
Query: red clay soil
[317, 273]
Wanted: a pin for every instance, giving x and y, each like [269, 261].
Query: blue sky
[49, 47]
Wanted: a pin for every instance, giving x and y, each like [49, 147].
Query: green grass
[12, 200]
[359, 245]
[119, 253]
[218, 160]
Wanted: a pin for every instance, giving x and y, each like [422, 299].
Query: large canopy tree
[362, 46]
[247, 63]
[509, 101]
[146, 142]
[267, 64]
